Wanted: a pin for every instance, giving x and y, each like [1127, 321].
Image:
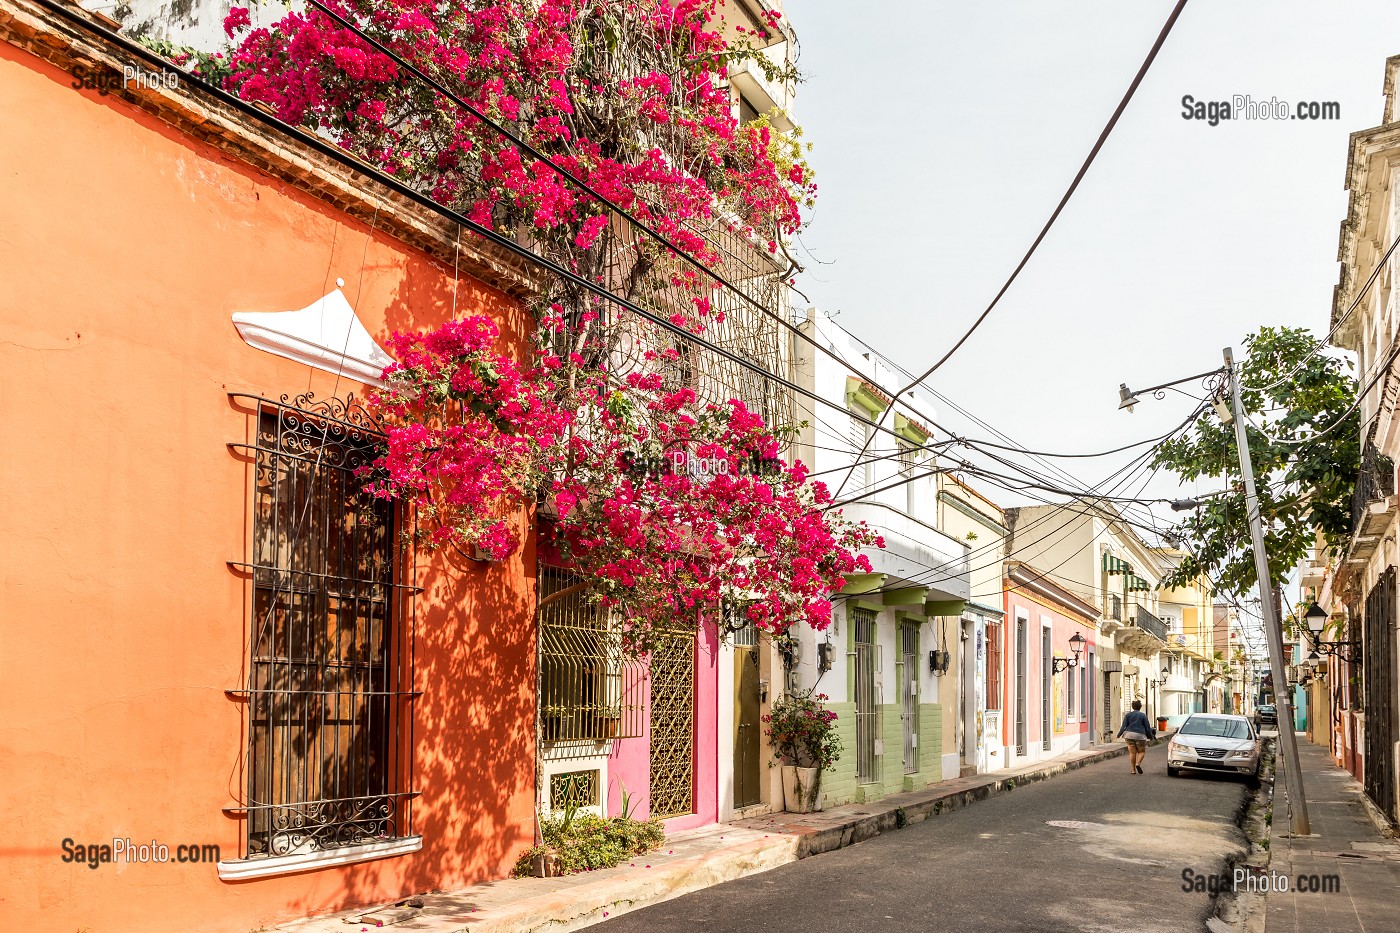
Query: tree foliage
[1304, 440]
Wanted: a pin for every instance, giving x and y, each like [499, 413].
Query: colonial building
[1087, 547]
[229, 645]
[886, 660]
[1360, 592]
[967, 515]
[1047, 656]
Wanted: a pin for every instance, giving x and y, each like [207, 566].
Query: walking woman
[1137, 729]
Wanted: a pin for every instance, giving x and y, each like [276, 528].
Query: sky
[944, 133]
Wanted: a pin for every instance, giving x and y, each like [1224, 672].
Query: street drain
[1073, 824]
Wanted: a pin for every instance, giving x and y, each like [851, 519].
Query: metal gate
[1107, 703]
[1022, 675]
[1379, 692]
[909, 692]
[1088, 700]
[747, 751]
[673, 726]
[867, 705]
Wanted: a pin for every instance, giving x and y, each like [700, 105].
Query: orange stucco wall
[124, 248]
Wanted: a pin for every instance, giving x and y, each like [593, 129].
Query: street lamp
[1076, 645]
[1127, 398]
[1271, 602]
[1316, 618]
[1162, 681]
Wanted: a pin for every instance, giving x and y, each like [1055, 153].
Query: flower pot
[802, 792]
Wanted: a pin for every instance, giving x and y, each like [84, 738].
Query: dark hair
[1137, 704]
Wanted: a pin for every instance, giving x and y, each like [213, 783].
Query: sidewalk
[1346, 844]
[686, 862]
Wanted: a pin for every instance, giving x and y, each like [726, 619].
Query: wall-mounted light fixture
[1076, 646]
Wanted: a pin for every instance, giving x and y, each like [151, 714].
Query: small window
[589, 691]
[574, 789]
[1069, 691]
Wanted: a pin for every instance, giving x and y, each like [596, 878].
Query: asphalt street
[1114, 863]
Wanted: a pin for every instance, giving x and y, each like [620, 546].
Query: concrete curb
[1244, 913]
[584, 901]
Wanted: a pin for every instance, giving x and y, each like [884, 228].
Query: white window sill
[253, 868]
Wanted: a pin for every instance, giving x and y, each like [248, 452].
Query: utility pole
[1273, 628]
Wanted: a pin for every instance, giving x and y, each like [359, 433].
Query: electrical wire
[1059, 208]
[1337, 325]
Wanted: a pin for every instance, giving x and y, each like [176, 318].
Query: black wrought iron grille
[329, 761]
[1379, 687]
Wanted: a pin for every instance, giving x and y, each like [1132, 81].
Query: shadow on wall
[473, 726]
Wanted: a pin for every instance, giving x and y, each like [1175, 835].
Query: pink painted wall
[1063, 629]
[1033, 670]
[629, 765]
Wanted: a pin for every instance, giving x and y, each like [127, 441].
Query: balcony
[765, 90]
[914, 552]
[1150, 623]
[1372, 504]
[1145, 635]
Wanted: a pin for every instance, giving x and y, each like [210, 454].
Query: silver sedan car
[1215, 742]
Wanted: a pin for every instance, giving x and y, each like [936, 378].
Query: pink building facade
[1048, 660]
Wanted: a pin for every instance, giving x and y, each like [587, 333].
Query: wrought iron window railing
[330, 663]
[1113, 607]
[590, 691]
[1375, 481]
[1149, 623]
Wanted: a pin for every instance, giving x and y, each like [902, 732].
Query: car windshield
[1267, 708]
[1220, 728]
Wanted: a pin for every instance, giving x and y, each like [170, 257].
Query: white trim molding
[250, 869]
[326, 335]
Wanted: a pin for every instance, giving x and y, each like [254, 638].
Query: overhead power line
[1059, 208]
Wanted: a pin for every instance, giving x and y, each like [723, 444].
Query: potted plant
[802, 732]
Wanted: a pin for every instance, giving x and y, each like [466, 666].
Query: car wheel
[1252, 782]
[1173, 772]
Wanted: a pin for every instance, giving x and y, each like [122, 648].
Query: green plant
[802, 731]
[585, 842]
[628, 803]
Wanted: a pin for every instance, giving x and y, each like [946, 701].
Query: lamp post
[1270, 603]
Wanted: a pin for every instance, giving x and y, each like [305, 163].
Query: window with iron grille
[589, 690]
[867, 716]
[574, 789]
[329, 670]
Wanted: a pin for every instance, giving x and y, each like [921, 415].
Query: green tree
[1304, 438]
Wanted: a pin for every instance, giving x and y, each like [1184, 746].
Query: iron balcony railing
[1113, 607]
[1150, 623]
[1375, 482]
